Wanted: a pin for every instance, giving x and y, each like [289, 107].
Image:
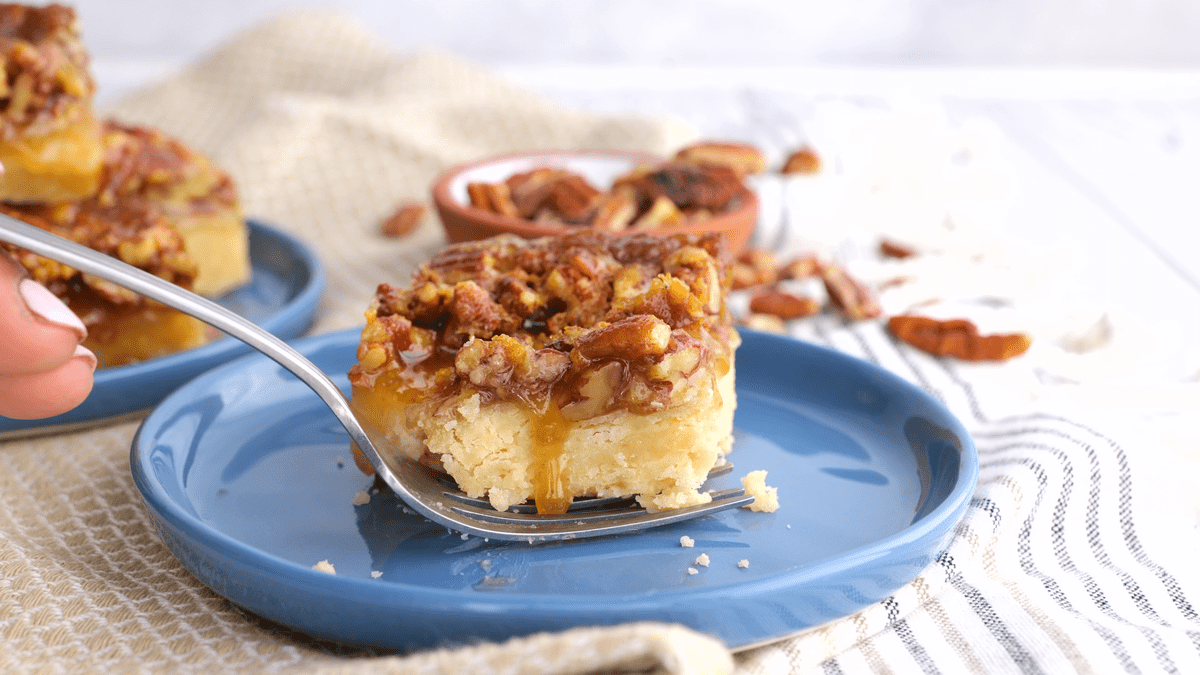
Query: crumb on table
[324, 566]
[686, 541]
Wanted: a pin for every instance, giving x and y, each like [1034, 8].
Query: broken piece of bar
[161, 207]
[555, 368]
[49, 138]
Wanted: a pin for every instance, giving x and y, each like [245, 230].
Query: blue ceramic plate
[243, 473]
[282, 296]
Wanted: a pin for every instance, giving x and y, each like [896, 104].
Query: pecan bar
[549, 369]
[161, 207]
[49, 139]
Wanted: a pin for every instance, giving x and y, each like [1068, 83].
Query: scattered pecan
[892, 249]
[768, 323]
[404, 220]
[786, 306]
[744, 159]
[851, 296]
[958, 338]
[802, 161]
[754, 267]
[800, 268]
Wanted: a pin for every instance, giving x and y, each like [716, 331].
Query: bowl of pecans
[535, 194]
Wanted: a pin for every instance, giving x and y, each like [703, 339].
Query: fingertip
[40, 332]
[49, 393]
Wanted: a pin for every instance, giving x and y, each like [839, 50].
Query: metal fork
[420, 488]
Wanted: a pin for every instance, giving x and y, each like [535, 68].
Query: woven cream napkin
[325, 132]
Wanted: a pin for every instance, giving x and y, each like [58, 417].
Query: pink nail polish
[86, 354]
[43, 303]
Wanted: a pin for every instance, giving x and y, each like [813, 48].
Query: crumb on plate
[766, 498]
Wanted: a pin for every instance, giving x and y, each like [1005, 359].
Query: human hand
[44, 370]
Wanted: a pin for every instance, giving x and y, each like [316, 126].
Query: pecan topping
[45, 83]
[544, 320]
[147, 182]
[630, 338]
[958, 338]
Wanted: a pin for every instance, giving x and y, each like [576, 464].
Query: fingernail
[86, 354]
[43, 303]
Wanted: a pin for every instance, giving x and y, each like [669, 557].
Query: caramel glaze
[420, 349]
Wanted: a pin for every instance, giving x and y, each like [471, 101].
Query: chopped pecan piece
[404, 220]
[743, 158]
[958, 338]
[851, 296]
[786, 306]
[802, 161]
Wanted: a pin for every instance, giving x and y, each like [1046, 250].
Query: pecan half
[404, 220]
[958, 338]
[494, 197]
[802, 161]
[786, 306]
[892, 249]
[848, 294]
[636, 336]
[744, 159]
[800, 268]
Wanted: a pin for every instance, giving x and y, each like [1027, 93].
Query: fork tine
[721, 500]
[580, 503]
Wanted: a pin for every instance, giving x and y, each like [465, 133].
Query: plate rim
[937, 524]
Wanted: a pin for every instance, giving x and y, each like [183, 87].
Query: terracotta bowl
[463, 222]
